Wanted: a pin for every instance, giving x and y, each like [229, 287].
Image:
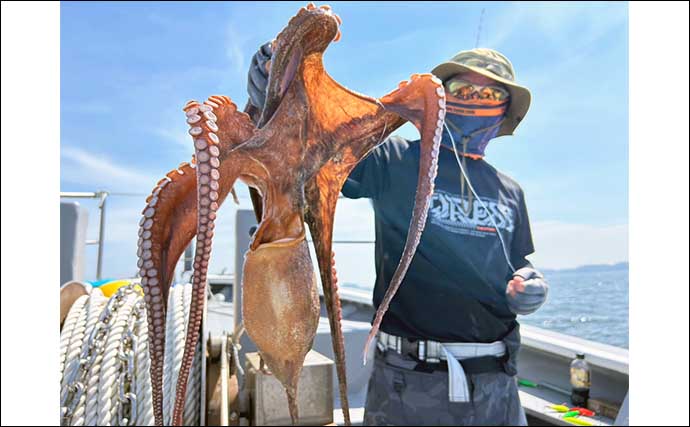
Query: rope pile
[104, 360]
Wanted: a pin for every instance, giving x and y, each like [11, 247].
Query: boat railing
[101, 196]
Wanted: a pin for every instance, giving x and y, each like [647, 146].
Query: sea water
[588, 304]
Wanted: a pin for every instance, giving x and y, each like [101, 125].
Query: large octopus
[309, 136]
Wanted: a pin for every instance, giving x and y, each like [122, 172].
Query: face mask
[473, 124]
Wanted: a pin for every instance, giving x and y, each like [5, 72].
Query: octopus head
[312, 29]
[306, 36]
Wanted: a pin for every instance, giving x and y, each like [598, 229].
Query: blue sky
[128, 68]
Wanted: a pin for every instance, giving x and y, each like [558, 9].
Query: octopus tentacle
[203, 129]
[168, 208]
[169, 223]
[419, 101]
[234, 126]
[340, 339]
[322, 201]
[423, 102]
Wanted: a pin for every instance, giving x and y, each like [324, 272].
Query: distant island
[592, 268]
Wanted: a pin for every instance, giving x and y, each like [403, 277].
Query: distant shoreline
[590, 268]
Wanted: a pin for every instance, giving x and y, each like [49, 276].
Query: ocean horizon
[589, 302]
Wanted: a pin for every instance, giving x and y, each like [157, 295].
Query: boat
[235, 392]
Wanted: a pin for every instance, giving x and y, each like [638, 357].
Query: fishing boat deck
[544, 359]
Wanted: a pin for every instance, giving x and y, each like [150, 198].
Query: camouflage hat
[495, 66]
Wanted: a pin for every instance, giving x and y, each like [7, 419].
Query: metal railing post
[101, 232]
[188, 257]
[101, 196]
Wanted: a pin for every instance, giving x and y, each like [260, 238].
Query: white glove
[527, 291]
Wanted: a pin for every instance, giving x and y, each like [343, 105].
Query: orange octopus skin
[168, 224]
[280, 308]
[309, 136]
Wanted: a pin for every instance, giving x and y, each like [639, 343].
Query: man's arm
[527, 289]
[370, 178]
[257, 78]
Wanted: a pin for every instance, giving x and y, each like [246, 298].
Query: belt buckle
[432, 352]
[393, 343]
[380, 345]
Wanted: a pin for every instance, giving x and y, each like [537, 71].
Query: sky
[127, 69]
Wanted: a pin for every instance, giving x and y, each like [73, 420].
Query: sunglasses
[465, 90]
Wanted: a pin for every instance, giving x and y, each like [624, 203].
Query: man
[446, 353]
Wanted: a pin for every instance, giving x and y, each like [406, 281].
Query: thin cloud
[233, 48]
[176, 133]
[81, 167]
[570, 28]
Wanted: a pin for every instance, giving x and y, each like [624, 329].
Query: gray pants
[399, 395]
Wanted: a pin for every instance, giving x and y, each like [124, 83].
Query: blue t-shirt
[454, 290]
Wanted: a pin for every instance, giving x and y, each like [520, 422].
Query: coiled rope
[104, 359]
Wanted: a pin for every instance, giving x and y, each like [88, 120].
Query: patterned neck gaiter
[473, 124]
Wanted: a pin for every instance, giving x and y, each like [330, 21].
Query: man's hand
[526, 291]
[257, 80]
[516, 284]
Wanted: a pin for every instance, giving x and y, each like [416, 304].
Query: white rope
[192, 399]
[92, 310]
[75, 341]
[174, 348]
[91, 401]
[143, 367]
[68, 329]
[74, 345]
[179, 302]
[96, 340]
[107, 391]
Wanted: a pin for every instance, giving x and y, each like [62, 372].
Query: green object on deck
[526, 383]
[577, 421]
[571, 414]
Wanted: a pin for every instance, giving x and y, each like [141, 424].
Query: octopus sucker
[294, 154]
[212, 187]
[156, 271]
[428, 167]
[167, 225]
[203, 247]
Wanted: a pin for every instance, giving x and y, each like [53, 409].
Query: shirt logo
[447, 211]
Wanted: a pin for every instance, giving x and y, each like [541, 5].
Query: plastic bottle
[580, 377]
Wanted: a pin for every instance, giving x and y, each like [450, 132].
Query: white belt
[433, 352]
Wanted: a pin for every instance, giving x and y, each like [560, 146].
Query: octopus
[295, 155]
